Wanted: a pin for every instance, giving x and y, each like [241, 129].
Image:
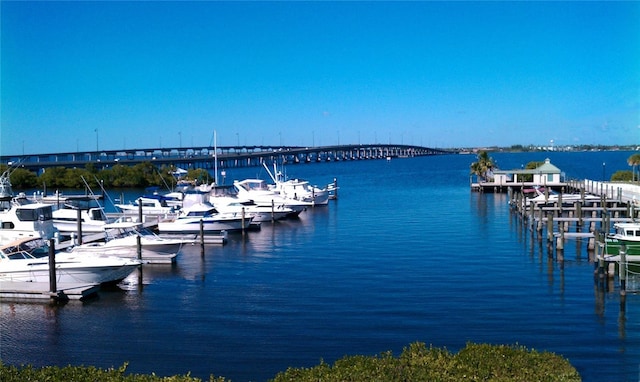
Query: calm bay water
[406, 254]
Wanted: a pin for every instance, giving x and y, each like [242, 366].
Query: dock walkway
[38, 290]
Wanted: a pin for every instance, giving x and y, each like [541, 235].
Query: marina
[362, 275]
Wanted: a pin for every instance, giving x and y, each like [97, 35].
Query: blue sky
[76, 75]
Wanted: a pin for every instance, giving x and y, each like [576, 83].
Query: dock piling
[201, 237]
[79, 225]
[623, 269]
[53, 287]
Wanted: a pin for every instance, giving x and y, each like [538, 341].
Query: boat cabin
[628, 231]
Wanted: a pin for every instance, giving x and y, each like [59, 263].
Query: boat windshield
[35, 214]
[19, 255]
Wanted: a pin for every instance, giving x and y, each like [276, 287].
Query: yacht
[226, 200]
[121, 239]
[297, 189]
[258, 191]
[191, 218]
[21, 217]
[92, 216]
[17, 263]
[150, 206]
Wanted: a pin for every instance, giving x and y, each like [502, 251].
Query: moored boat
[541, 195]
[204, 215]
[258, 191]
[297, 189]
[225, 199]
[121, 239]
[20, 218]
[149, 206]
[627, 235]
[92, 216]
[18, 264]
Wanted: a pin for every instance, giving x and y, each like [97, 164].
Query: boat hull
[188, 225]
[69, 269]
[154, 254]
[611, 250]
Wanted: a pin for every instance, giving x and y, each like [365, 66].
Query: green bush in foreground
[85, 374]
[476, 362]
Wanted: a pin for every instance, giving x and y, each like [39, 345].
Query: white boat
[17, 264]
[22, 218]
[92, 216]
[226, 200]
[190, 219]
[258, 213]
[258, 191]
[150, 206]
[297, 189]
[171, 199]
[121, 239]
[549, 196]
[59, 198]
[627, 234]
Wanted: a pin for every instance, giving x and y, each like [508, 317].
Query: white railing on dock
[624, 192]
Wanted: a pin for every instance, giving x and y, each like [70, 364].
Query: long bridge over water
[227, 156]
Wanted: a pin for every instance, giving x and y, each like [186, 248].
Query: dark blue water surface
[407, 253]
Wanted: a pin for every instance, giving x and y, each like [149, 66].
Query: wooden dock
[589, 219]
[152, 224]
[20, 290]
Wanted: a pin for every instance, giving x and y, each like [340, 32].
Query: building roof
[545, 168]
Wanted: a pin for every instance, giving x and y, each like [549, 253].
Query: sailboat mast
[215, 158]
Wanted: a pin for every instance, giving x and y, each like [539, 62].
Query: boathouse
[544, 175]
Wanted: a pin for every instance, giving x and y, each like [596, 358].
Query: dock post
[560, 202]
[579, 213]
[560, 239]
[335, 188]
[546, 195]
[201, 237]
[139, 246]
[53, 286]
[243, 216]
[79, 225]
[550, 228]
[139, 210]
[623, 269]
[539, 228]
[273, 213]
[599, 255]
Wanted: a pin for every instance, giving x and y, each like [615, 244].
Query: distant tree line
[484, 166]
[119, 176]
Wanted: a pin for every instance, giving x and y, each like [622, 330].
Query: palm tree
[482, 168]
[634, 161]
